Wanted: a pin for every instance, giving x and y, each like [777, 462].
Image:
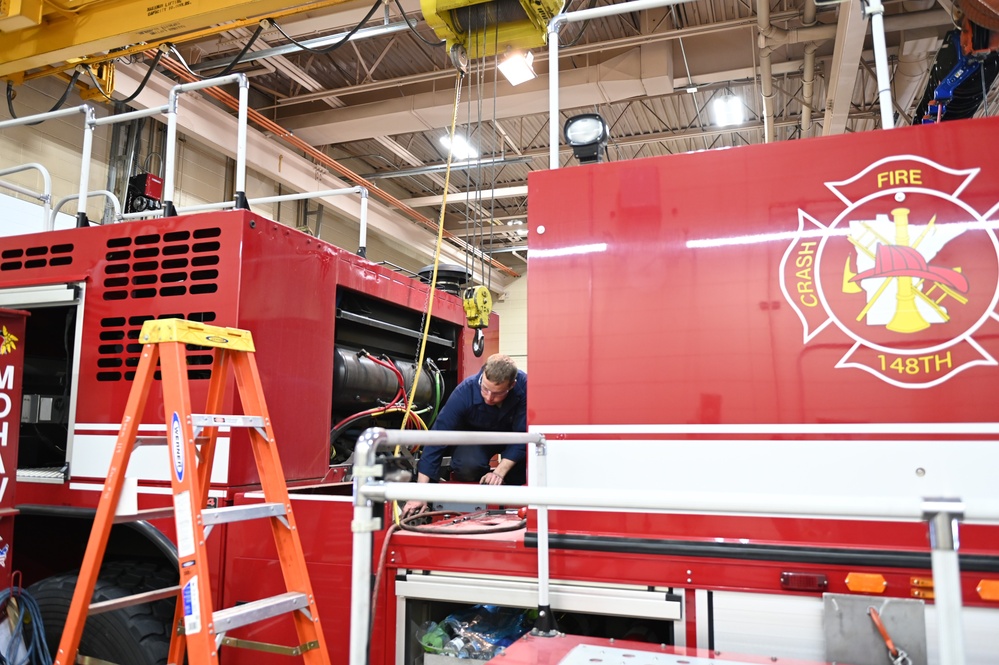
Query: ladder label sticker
[185, 524]
[192, 607]
[177, 444]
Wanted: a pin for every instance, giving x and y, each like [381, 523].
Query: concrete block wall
[513, 322]
[55, 144]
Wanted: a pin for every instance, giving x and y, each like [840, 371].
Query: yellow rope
[433, 278]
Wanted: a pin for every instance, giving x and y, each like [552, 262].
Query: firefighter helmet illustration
[8, 342]
[907, 270]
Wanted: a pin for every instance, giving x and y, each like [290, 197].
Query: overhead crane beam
[61, 39]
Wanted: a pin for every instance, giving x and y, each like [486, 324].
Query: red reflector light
[803, 581]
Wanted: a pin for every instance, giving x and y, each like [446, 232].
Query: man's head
[499, 374]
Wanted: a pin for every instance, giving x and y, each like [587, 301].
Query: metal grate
[119, 348]
[39, 256]
[173, 264]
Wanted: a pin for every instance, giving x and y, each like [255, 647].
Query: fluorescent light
[728, 110]
[518, 67]
[460, 148]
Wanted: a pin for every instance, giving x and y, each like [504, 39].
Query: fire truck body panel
[751, 322]
[310, 306]
[746, 332]
[675, 343]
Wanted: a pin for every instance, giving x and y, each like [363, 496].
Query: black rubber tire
[136, 635]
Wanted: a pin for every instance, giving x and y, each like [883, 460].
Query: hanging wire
[55, 107]
[412, 27]
[488, 277]
[142, 84]
[428, 313]
[332, 47]
[582, 29]
[232, 64]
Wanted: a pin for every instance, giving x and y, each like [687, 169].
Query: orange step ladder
[200, 630]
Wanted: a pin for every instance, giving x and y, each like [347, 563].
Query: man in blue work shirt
[494, 400]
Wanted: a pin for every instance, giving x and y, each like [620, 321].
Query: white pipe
[614, 10]
[303, 195]
[360, 586]
[88, 147]
[947, 581]
[875, 10]
[808, 70]
[171, 139]
[766, 69]
[362, 242]
[42, 117]
[45, 196]
[554, 120]
[880, 507]
[131, 115]
[572, 17]
[539, 462]
[244, 92]
[171, 151]
[97, 192]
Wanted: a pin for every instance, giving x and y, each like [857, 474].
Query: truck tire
[136, 635]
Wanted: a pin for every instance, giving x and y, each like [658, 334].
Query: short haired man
[494, 400]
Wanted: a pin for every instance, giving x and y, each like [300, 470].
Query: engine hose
[407, 523]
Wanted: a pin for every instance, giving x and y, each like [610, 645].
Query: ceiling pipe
[808, 73]
[767, 31]
[771, 37]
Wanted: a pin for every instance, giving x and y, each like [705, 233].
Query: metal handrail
[228, 205]
[97, 192]
[941, 514]
[45, 196]
[171, 140]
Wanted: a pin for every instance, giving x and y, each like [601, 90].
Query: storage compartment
[620, 612]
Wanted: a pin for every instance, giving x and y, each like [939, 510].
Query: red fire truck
[802, 320]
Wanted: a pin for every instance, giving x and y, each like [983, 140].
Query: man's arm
[497, 475]
[413, 507]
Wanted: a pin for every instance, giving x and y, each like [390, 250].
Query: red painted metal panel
[655, 292]
[228, 268]
[11, 366]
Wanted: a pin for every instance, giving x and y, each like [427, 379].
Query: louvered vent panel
[151, 267]
[37, 256]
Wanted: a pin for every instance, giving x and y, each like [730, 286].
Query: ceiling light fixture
[728, 110]
[517, 67]
[460, 149]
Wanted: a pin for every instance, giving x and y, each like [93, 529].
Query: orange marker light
[866, 583]
[988, 589]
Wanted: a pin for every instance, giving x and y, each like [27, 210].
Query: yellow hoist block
[478, 304]
[491, 27]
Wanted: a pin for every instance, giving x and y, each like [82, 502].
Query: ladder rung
[147, 514]
[137, 599]
[258, 610]
[162, 441]
[219, 420]
[212, 516]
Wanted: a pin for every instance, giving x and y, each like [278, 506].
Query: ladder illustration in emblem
[199, 629]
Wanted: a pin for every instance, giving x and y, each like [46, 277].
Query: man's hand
[491, 478]
[413, 508]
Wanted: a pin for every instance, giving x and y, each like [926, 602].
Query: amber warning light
[803, 581]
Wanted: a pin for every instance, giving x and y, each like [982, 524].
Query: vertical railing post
[244, 92]
[943, 516]
[88, 147]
